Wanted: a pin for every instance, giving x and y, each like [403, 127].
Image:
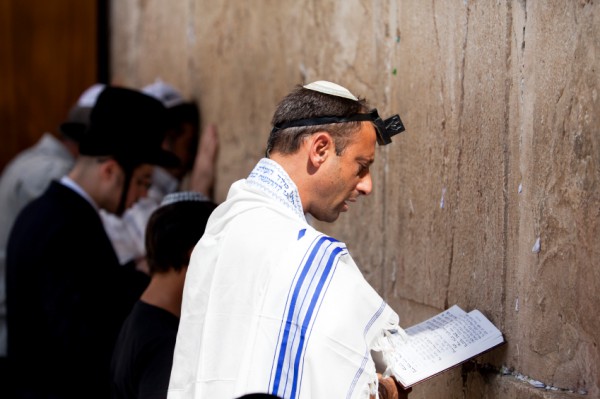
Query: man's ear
[321, 144]
[108, 168]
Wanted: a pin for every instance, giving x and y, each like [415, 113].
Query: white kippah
[164, 92]
[333, 89]
[181, 196]
[88, 98]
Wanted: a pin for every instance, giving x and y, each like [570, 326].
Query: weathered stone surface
[500, 101]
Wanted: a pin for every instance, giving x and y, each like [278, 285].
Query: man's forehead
[364, 142]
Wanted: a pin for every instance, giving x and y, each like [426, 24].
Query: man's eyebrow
[369, 160]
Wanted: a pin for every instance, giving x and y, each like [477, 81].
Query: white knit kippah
[333, 89]
[181, 196]
[165, 93]
[90, 95]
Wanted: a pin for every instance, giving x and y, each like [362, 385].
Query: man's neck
[73, 185]
[165, 291]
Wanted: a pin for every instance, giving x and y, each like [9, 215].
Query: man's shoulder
[60, 205]
[31, 173]
[57, 219]
[48, 150]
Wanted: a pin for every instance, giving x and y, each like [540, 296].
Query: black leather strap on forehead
[385, 129]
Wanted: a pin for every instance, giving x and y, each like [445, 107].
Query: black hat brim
[73, 130]
[158, 157]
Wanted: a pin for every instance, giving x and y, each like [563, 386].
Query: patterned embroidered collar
[271, 179]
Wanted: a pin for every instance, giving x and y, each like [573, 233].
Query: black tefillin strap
[385, 128]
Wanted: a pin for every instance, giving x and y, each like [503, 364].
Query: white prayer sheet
[439, 343]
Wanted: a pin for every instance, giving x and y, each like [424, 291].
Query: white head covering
[89, 96]
[165, 93]
[183, 196]
[333, 89]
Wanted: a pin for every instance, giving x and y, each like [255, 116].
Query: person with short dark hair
[143, 355]
[67, 293]
[270, 304]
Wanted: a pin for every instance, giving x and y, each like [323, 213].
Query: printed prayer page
[440, 343]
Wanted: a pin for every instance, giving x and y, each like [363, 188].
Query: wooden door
[50, 51]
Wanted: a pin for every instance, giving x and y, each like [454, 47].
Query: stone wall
[490, 199]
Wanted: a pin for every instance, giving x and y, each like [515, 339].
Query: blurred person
[195, 171]
[28, 175]
[141, 363]
[67, 294]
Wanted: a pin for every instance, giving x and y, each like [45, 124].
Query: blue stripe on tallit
[306, 294]
[320, 303]
[301, 233]
[307, 319]
[367, 353]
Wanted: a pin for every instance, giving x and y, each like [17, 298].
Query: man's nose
[365, 185]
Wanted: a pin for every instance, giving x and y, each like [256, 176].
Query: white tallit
[271, 305]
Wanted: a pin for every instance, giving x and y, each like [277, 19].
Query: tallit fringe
[385, 344]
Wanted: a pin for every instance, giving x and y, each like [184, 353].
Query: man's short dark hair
[178, 116]
[303, 103]
[187, 112]
[172, 232]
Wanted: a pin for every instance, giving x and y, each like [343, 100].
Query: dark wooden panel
[49, 56]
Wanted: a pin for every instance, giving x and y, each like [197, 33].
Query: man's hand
[390, 389]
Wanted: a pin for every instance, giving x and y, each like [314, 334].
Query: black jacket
[67, 296]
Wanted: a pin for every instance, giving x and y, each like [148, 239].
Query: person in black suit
[67, 294]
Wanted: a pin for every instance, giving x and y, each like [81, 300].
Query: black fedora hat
[129, 126]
